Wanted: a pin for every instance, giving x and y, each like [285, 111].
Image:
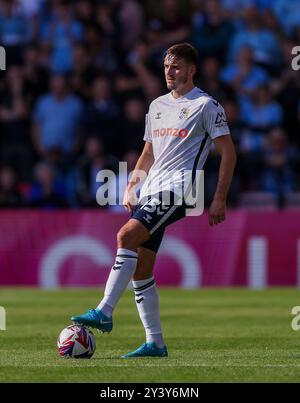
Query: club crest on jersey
[184, 113]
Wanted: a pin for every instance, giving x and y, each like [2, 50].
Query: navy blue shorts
[156, 213]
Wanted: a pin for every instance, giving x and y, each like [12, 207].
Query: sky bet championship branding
[187, 185]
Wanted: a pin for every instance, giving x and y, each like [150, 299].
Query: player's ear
[193, 69]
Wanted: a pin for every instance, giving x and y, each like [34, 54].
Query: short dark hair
[184, 51]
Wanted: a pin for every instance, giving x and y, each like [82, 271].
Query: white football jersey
[181, 132]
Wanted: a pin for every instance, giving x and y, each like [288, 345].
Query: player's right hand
[217, 212]
[130, 199]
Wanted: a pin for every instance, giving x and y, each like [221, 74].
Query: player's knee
[125, 238]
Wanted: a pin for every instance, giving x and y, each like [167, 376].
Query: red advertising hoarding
[76, 248]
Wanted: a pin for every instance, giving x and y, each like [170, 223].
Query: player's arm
[143, 164]
[225, 147]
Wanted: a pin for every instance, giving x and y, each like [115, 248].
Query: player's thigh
[132, 234]
[145, 264]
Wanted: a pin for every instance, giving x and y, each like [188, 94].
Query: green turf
[212, 336]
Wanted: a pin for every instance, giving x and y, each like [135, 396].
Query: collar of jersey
[183, 97]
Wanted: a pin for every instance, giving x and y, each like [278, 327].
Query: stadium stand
[81, 74]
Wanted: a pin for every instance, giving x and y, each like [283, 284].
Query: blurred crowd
[81, 74]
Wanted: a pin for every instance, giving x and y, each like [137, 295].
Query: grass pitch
[212, 336]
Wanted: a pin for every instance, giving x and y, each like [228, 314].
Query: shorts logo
[148, 218]
[173, 132]
[184, 113]
[156, 207]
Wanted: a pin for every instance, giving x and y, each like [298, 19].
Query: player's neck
[178, 93]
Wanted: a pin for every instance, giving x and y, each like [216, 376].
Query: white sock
[119, 277]
[146, 298]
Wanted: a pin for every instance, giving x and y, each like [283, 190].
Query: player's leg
[129, 238]
[144, 284]
[146, 297]
[147, 301]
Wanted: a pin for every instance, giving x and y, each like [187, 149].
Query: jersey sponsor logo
[173, 132]
[158, 115]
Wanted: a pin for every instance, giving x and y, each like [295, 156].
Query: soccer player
[180, 129]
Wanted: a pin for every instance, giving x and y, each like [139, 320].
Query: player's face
[178, 73]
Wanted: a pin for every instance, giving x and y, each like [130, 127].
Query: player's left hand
[217, 212]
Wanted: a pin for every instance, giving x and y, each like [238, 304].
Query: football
[76, 342]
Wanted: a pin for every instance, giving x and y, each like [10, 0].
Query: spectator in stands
[138, 72]
[13, 31]
[83, 72]
[47, 192]
[35, 74]
[16, 149]
[131, 10]
[286, 88]
[30, 9]
[243, 75]
[263, 41]
[57, 120]
[103, 114]
[173, 25]
[153, 88]
[212, 35]
[10, 197]
[277, 176]
[61, 33]
[209, 80]
[94, 160]
[233, 115]
[112, 68]
[132, 126]
[117, 193]
[84, 11]
[288, 12]
[235, 9]
[92, 40]
[107, 19]
[66, 172]
[262, 112]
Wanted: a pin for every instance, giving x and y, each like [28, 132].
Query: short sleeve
[147, 135]
[214, 119]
